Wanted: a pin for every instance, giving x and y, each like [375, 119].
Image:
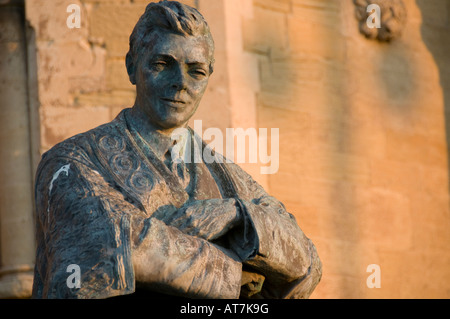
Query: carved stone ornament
[392, 18]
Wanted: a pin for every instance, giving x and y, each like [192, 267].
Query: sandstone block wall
[363, 140]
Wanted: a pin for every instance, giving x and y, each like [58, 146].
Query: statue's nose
[179, 80]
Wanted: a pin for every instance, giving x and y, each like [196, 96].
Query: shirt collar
[160, 143]
[177, 144]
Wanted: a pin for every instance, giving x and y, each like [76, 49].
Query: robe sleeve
[84, 220]
[174, 263]
[286, 257]
[75, 228]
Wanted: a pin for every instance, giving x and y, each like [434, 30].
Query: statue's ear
[131, 68]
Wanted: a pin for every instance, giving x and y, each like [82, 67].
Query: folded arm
[171, 262]
[83, 220]
[262, 233]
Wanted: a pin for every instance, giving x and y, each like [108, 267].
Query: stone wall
[364, 155]
[16, 218]
[363, 124]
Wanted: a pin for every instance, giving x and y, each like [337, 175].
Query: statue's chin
[174, 121]
[172, 124]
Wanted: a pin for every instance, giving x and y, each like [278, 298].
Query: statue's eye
[159, 65]
[198, 72]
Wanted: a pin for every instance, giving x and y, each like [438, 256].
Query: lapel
[144, 179]
[151, 161]
[134, 168]
[219, 170]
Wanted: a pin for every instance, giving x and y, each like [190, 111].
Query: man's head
[169, 16]
[170, 60]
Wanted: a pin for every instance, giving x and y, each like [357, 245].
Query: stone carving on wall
[115, 203]
[392, 19]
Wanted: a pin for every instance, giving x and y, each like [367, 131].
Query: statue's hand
[208, 219]
[251, 284]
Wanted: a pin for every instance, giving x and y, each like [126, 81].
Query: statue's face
[171, 77]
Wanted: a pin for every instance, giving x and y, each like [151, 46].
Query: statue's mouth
[174, 101]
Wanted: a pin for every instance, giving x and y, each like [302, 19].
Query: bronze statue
[114, 202]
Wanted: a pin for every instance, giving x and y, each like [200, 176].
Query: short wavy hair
[171, 16]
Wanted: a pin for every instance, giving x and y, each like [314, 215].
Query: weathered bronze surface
[114, 202]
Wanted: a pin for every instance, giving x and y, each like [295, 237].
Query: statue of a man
[136, 220]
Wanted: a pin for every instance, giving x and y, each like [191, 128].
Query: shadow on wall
[394, 65]
[302, 74]
[435, 31]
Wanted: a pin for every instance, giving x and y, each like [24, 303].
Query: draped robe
[106, 203]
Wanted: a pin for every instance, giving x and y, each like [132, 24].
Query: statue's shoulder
[82, 147]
